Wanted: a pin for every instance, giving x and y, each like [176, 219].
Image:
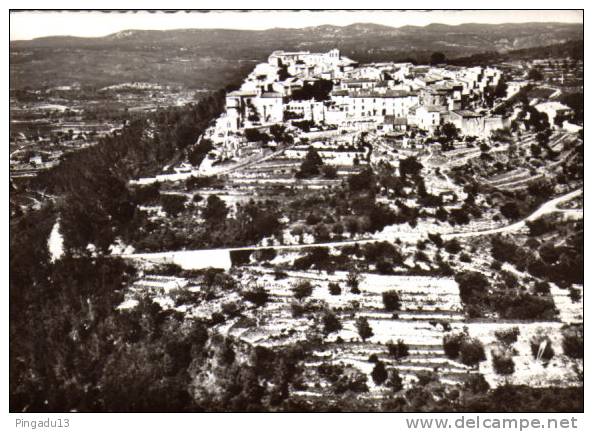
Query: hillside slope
[210, 58]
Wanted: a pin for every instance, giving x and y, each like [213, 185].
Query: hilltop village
[387, 214]
[325, 92]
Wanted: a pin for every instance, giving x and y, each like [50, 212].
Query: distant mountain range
[203, 50]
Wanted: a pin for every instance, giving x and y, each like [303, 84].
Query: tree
[549, 253]
[575, 102]
[410, 166]
[471, 284]
[535, 74]
[197, 154]
[149, 194]
[364, 329]
[255, 135]
[353, 281]
[437, 58]
[310, 166]
[362, 181]
[321, 233]
[391, 300]
[173, 204]
[379, 373]
[318, 90]
[510, 210]
[330, 172]
[448, 134]
[215, 211]
[331, 323]
[258, 220]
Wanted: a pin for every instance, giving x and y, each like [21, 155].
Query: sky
[30, 25]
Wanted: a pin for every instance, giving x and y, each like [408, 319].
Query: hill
[210, 58]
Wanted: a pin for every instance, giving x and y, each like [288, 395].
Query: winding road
[202, 258]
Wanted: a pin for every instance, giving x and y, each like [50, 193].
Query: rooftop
[467, 114]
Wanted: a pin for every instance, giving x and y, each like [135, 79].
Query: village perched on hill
[326, 235]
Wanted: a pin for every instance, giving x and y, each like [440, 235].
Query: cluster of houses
[383, 97]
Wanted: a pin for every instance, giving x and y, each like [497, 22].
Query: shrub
[425, 377]
[313, 219]
[574, 294]
[452, 344]
[465, 258]
[524, 306]
[452, 246]
[230, 308]
[436, 239]
[331, 372]
[173, 204]
[240, 257]
[334, 288]
[302, 289]
[355, 382]
[508, 336]
[398, 350]
[384, 267]
[279, 274]
[267, 254]
[510, 210]
[216, 318]
[471, 352]
[297, 310]
[460, 346]
[542, 287]
[394, 381]
[258, 296]
[391, 300]
[503, 363]
[572, 342]
[329, 172]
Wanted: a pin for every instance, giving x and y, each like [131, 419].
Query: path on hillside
[222, 255]
[545, 209]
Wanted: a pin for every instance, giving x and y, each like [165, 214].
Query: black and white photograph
[296, 211]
